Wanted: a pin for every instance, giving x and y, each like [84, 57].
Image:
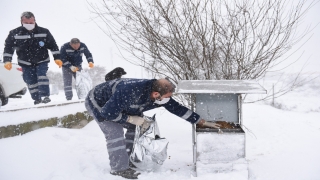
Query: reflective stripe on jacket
[116, 99]
[31, 46]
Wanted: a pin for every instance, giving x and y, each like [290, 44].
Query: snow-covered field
[282, 143]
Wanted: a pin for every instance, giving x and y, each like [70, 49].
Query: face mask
[163, 101]
[29, 26]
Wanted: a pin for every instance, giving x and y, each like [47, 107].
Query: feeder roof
[220, 86]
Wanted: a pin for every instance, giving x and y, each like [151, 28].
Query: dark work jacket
[31, 46]
[71, 57]
[116, 99]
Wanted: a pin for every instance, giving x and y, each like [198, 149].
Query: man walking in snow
[31, 43]
[71, 55]
[120, 103]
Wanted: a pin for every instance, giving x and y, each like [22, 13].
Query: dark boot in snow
[46, 100]
[37, 101]
[128, 173]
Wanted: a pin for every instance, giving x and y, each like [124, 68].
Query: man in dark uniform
[71, 55]
[31, 43]
[120, 103]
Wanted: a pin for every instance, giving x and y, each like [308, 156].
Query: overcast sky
[71, 18]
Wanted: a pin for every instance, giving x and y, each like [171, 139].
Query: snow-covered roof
[220, 86]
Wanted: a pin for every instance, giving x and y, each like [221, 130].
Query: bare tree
[205, 39]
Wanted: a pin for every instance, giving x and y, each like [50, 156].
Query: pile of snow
[23, 110]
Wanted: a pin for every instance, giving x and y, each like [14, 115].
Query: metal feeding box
[224, 149]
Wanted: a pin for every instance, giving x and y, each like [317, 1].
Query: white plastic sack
[149, 150]
[83, 84]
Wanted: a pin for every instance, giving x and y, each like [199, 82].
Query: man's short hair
[27, 14]
[163, 86]
[74, 41]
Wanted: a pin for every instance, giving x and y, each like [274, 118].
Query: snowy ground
[9, 115]
[282, 143]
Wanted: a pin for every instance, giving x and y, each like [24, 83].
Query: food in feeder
[223, 125]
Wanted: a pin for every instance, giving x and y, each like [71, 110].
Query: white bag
[83, 84]
[149, 150]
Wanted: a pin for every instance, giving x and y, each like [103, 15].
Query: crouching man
[120, 103]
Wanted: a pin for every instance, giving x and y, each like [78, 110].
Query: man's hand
[74, 69]
[58, 62]
[8, 65]
[91, 64]
[209, 124]
[136, 120]
[146, 124]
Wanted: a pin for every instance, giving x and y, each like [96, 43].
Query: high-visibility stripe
[43, 77]
[134, 106]
[66, 63]
[22, 36]
[81, 54]
[32, 85]
[129, 141]
[23, 62]
[94, 102]
[33, 91]
[68, 87]
[115, 86]
[43, 83]
[116, 140]
[116, 148]
[40, 35]
[81, 48]
[28, 63]
[187, 114]
[89, 58]
[118, 118]
[69, 50]
[7, 55]
[48, 59]
[55, 52]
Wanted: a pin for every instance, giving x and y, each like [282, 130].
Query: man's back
[129, 90]
[128, 96]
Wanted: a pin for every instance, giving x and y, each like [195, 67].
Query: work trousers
[37, 81]
[67, 82]
[119, 145]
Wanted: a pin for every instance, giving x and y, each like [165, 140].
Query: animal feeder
[220, 101]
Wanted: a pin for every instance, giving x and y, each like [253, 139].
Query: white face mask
[163, 101]
[29, 26]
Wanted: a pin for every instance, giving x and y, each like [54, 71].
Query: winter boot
[46, 100]
[128, 173]
[37, 101]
